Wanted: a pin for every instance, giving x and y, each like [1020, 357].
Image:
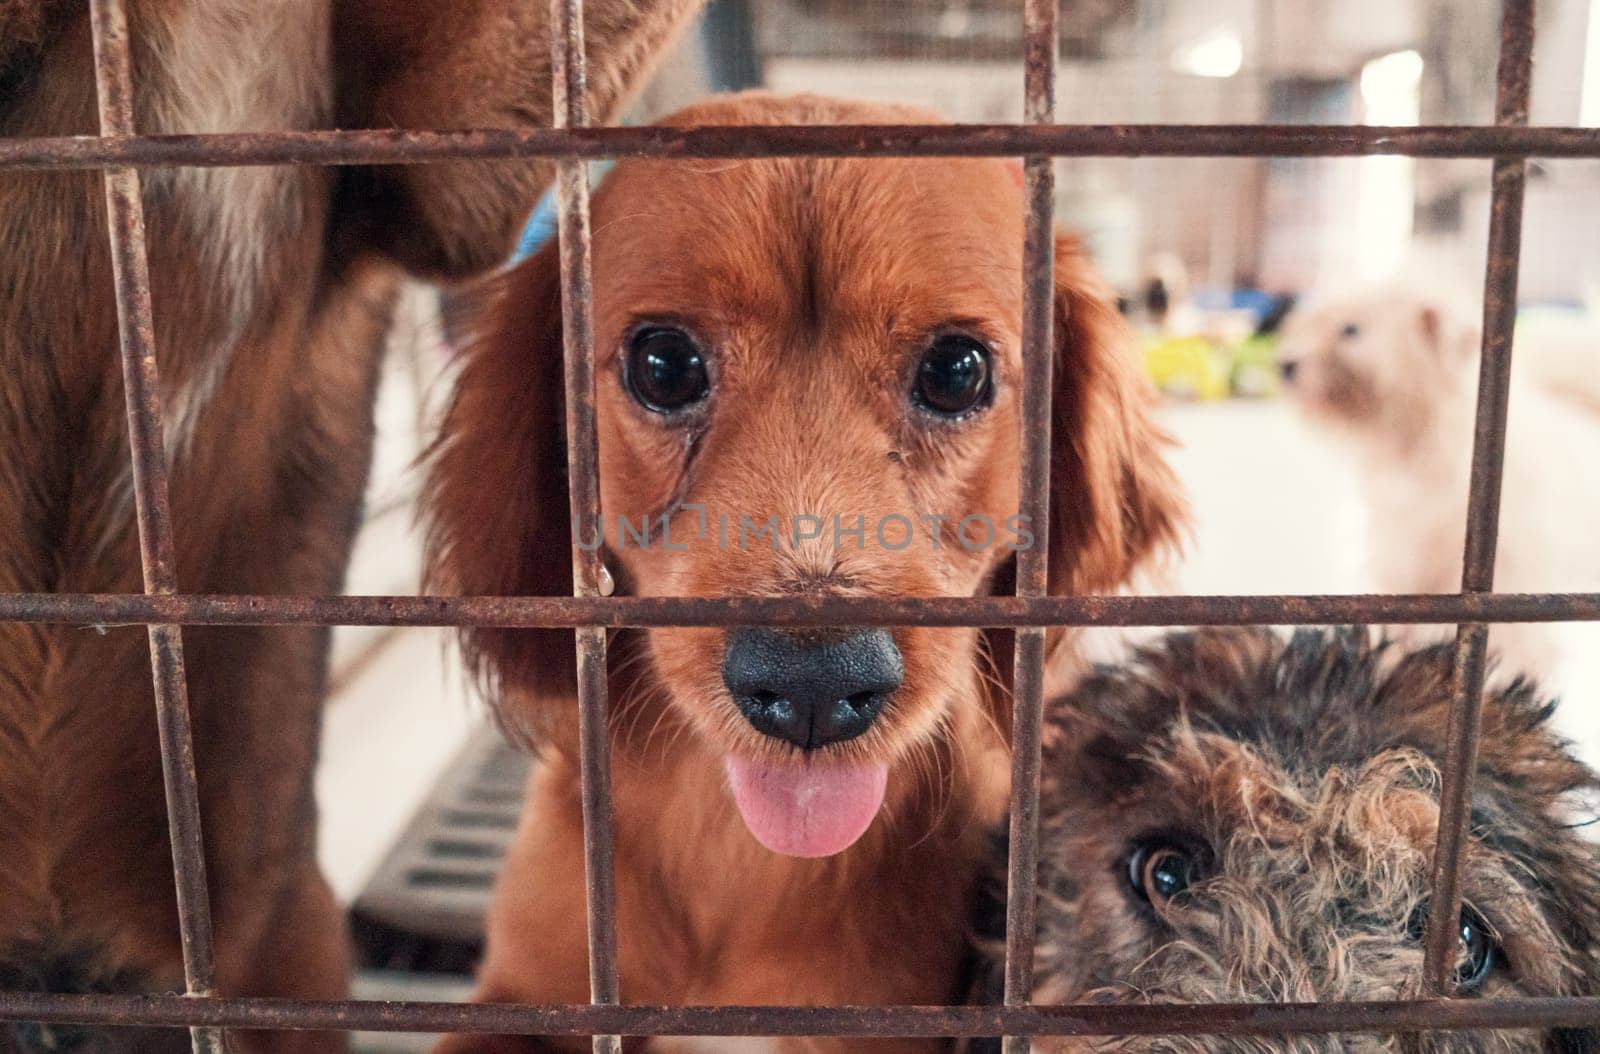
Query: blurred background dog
[1390, 374]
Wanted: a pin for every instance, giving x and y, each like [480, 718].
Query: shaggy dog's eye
[1477, 942]
[1159, 871]
[1480, 951]
[664, 370]
[953, 378]
[1350, 331]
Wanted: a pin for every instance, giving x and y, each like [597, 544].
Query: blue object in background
[728, 32]
[540, 229]
[541, 226]
[1253, 300]
[732, 64]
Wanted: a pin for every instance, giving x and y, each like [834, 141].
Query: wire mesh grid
[121, 153]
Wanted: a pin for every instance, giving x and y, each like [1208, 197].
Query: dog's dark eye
[1159, 871]
[1478, 947]
[954, 376]
[1350, 331]
[665, 371]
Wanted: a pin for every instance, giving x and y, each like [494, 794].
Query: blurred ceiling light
[1389, 88]
[1589, 108]
[1218, 53]
[955, 21]
[1391, 94]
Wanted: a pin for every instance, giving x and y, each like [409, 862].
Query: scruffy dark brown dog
[1234, 818]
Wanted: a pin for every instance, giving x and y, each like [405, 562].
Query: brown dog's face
[839, 376]
[1233, 818]
[808, 384]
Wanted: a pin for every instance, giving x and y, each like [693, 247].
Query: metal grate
[418, 925]
[423, 909]
[121, 153]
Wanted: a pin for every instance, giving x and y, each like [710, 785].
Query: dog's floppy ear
[1561, 869]
[1114, 501]
[1570, 885]
[1115, 505]
[471, 64]
[497, 505]
[1445, 331]
[1530, 790]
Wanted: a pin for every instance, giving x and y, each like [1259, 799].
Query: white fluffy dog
[1392, 373]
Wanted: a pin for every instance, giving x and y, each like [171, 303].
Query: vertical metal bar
[568, 76]
[1038, 351]
[1514, 79]
[113, 67]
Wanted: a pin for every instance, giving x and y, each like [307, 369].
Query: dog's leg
[304, 957]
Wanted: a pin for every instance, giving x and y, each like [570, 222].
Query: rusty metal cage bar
[113, 68]
[1040, 52]
[569, 106]
[406, 147]
[122, 152]
[1240, 1019]
[104, 610]
[1513, 80]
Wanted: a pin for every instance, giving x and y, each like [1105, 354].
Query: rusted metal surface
[1514, 80]
[916, 1021]
[569, 98]
[404, 147]
[130, 609]
[131, 273]
[1033, 567]
[1027, 710]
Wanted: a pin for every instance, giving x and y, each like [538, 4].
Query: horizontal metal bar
[907, 1021]
[399, 147]
[109, 609]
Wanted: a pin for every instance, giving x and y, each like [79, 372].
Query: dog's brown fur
[816, 284]
[1302, 778]
[271, 294]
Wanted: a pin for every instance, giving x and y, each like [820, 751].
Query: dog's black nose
[811, 690]
[1287, 368]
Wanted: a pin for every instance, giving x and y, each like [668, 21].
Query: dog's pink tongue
[804, 809]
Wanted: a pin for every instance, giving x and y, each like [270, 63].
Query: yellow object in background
[1186, 368]
[1254, 372]
[1197, 368]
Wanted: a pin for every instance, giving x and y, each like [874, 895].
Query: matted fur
[272, 289]
[815, 284]
[1304, 774]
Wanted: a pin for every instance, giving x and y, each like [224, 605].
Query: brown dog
[1232, 817]
[802, 364]
[271, 293]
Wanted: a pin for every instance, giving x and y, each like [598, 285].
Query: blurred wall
[1282, 224]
